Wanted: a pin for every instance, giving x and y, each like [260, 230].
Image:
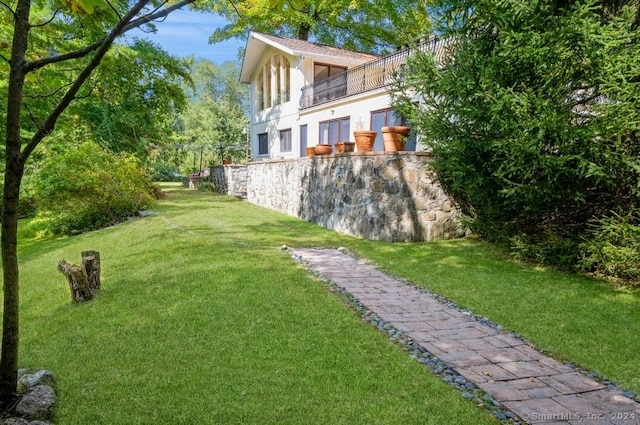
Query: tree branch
[126, 23]
[8, 8]
[49, 21]
[235, 8]
[48, 94]
[114, 9]
[31, 66]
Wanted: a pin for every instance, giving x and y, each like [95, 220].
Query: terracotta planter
[345, 147]
[394, 137]
[364, 139]
[323, 149]
[311, 151]
[226, 161]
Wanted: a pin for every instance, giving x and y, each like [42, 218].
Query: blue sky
[185, 33]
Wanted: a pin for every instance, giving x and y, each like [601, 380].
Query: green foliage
[613, 248]
[214, 124]
[163, 172]
[533, 116]
[206, 186]
[136, 92]
[86, 187]
[372, 26]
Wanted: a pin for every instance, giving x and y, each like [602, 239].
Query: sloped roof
[257, 42]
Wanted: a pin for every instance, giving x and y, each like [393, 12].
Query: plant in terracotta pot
[323, 149]
[394, 137]
[344, 147]
[364, 138]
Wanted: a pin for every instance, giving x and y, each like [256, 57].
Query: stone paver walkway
[535, 387]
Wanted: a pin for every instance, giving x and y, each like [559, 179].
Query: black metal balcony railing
[368, 76]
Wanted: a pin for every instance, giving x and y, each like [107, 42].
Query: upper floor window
[323, 71]
[274, 82]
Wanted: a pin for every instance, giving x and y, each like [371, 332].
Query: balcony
[368, 76]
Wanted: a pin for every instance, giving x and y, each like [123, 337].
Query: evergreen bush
[533, 117]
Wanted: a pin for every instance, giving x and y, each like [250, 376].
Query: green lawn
[204, 320]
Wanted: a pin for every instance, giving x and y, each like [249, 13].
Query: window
[273, 82]
[283, 75]
[323, 71]
[285, 140]
[303, 140]
[386, 117]
[331, 88]
[335, 131]
[260, 87]
[263, 144]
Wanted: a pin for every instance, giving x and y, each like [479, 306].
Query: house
[303, 93]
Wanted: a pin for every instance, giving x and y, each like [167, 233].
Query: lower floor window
[335, 131]
[285, 140]
[263, 144]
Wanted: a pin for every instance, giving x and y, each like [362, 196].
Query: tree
[135, 93]
[533, 116]
[97, 23]
[365, 25]
[215, 120]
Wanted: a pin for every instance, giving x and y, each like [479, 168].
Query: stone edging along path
[515, 382]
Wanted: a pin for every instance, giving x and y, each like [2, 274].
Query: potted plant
[364, 138]
[323, 149]
[394, 137]
[344, 147]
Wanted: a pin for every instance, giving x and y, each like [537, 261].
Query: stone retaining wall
[230, 179]
[374, 195]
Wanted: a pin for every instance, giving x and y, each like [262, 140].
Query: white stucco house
[303, 93]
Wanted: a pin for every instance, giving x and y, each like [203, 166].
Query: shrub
[614, 247]
[532, 117]
[206, 186]
[86, 188]
[163, 172]
[548, 248]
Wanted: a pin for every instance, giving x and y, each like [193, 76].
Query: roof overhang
[257, 43]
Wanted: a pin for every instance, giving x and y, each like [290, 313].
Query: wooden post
[84, 282]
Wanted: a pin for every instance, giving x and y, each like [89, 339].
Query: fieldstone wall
[374, 195]
[230, 179]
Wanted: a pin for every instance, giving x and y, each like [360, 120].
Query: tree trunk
[84, 281]
[14, 169]
[15, 159]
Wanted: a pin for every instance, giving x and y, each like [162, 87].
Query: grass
[204, 320]
[575, 319]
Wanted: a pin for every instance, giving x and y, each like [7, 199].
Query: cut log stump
[84, 281]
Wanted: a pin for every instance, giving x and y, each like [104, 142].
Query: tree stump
[84, 282]
[91, 265]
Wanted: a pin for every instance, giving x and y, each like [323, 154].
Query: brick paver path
[535, 387]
